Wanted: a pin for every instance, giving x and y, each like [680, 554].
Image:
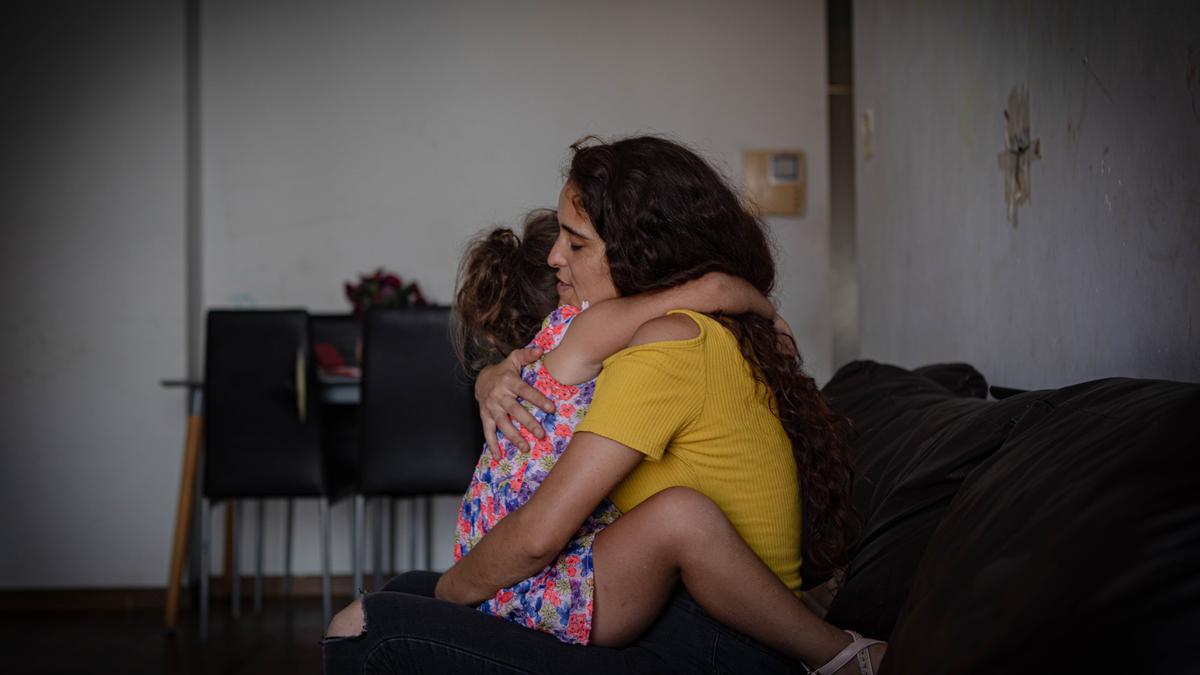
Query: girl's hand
[733, 295]
[497, 389]
[820, 598]
[787, 339]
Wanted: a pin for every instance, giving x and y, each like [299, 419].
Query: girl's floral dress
[557, 600]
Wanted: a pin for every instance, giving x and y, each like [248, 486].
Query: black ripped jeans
[408, 631]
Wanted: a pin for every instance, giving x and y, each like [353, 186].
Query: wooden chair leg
[183, 513]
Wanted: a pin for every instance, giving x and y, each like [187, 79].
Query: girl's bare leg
[681, 534]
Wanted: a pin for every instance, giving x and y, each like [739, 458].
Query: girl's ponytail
[505, 287]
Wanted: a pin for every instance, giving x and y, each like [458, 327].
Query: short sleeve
[648, 394]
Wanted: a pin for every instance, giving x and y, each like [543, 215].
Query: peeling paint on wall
[867, 134]
[1102, 277]
[1018, 152]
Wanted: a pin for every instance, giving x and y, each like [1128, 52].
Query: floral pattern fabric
[557, 600]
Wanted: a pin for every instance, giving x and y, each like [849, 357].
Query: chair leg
[360, 542]
[258, 555]
[412, 532]
[326, 601]
[391, 550]
[428, 532]
[205, 536]
[377, 563]
[184, 510]
[353, 543]
[287, 549]
[235, 595]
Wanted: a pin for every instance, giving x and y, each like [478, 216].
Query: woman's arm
[607, 327]
[530, 538]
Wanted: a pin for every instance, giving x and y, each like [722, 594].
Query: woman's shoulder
[671, 341]
[669, 328]
[707, 334]
[676, 340]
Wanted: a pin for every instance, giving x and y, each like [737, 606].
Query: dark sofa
[1049, 531]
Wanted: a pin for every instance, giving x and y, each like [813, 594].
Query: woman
[503, 288]
[641, 215]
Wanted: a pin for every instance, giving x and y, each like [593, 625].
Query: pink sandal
[858, 647]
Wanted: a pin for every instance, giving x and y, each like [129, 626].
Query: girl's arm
[607, 327]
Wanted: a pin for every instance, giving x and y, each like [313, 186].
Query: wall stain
[1019, 151]
[1075, 125]
[1103, 89]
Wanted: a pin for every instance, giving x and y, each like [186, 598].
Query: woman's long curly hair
[505, 288]
[666, 217]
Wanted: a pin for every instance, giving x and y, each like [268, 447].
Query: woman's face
[579, 256]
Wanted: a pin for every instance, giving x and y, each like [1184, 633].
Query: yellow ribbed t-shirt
[694, 409]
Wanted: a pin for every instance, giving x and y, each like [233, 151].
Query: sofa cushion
[915, 441]
[1074, 544]
[960, 378]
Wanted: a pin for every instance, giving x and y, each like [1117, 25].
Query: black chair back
[421, 432]
[261, 412]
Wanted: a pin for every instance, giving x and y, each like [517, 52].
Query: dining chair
[262, 435]
[421, 435]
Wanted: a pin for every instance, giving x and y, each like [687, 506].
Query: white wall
[337, 137]
[92, 214]
[1101, 276]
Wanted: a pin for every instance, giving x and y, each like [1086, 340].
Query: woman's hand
[497, 389]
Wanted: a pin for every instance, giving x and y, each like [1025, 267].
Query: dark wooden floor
[283, 639]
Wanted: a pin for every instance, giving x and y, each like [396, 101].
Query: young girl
[502, 280]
